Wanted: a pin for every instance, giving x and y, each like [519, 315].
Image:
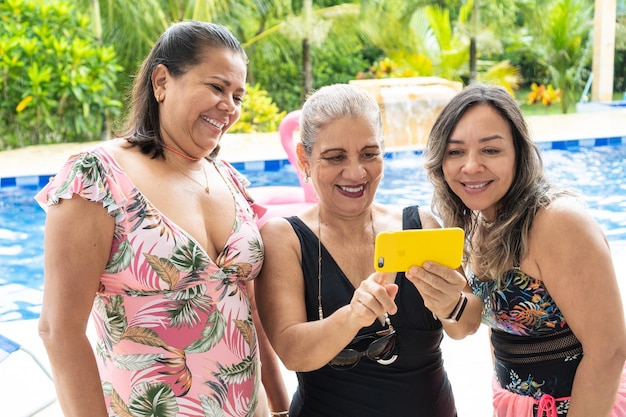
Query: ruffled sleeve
[90, 176]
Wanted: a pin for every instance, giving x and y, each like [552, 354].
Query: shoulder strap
[411, 218]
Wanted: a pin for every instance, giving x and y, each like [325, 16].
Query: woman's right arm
[77, 242]
[280, 296]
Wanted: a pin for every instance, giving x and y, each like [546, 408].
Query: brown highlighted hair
[505, 244]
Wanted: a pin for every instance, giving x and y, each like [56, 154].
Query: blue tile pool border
[277, 164]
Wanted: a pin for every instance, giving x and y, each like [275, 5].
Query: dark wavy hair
[179, 48]
[505, 243]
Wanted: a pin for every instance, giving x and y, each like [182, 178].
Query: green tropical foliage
[260, 113]
[426, 41]
[562, 44]
[293, 47]
[57, 82]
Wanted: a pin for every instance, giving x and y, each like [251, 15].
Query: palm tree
[283, 34]
[486, 18]
[265, 26]
[430, 42]
[134, 26]
[562, 44]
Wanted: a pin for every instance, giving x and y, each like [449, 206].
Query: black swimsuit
[415, 384]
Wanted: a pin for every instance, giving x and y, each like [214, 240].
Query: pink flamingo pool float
[283, 201]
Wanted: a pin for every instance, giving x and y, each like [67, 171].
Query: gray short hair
[334, 102]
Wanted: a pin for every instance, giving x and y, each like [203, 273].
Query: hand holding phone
[398, 251]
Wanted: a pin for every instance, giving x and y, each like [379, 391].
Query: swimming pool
[598, 172]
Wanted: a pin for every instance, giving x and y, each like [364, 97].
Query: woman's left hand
[439, 286]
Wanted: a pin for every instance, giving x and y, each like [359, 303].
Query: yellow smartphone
[398, 251]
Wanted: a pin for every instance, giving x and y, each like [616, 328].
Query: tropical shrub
[562, 43]
[259, 113]
[57, 82]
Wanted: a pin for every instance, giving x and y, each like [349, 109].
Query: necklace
[206, 178]
[320, 312]
[179, 153]
[486, 224]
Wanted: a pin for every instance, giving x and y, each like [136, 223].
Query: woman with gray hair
[536, 258]
[362, 343]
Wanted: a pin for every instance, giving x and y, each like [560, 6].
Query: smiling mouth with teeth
[220, 126]
[352, 189]
[477, 186]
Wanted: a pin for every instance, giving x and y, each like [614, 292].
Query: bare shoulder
[388, 217]
[562, 213]
[567, 221]
[121, 150]
[116, 145]
[277, 232]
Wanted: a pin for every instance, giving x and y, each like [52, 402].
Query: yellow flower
[20, 107]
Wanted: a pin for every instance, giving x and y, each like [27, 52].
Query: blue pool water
[599, 173]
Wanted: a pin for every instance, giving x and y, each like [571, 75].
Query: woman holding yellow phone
[536, 258]
[361, 342]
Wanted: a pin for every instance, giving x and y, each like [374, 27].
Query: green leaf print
[238, 372]
[189, 257]
[88, 165]
[186, 313]
[153, 400]
[102, 352]
[256, 251]
[210, 407]
[189, 303]
[136, 362]
[521, 280]
[64, 187]
[145, 215]
[219, 389]
[83, 167]
[211, 334]
[121, 258]
[114, 316]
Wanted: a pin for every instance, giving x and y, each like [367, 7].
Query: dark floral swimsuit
[535, 351]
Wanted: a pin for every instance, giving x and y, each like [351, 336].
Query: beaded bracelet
[280, 413]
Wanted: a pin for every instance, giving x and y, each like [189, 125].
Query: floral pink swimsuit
[174, 328]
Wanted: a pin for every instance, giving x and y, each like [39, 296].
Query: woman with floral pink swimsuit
[156, 239]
